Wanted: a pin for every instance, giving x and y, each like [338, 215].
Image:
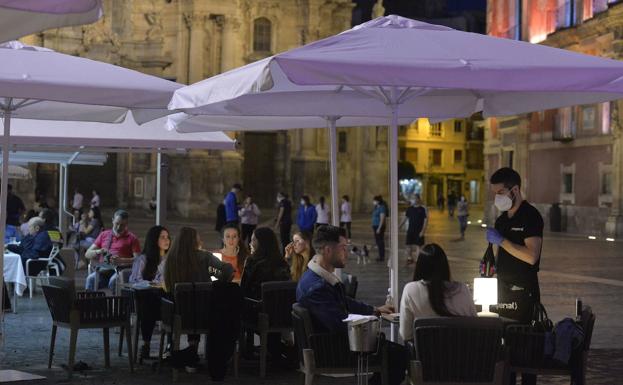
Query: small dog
[362, 254]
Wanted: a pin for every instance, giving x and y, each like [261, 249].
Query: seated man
[322, 294]
[35, 245]
[117, 247]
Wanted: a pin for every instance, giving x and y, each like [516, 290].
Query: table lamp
[486, 294]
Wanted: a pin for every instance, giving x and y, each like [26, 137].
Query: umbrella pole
[393, 195]
[3, 197]
[333, 158]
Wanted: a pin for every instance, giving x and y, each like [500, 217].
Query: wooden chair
[457, 350]
[525, 349]
[274, 314]
[326, 353]
[84, 310]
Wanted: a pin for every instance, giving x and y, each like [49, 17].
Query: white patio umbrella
[80, 137]
[38, 83]
[23, 17]
[397, 67]
[18, 172]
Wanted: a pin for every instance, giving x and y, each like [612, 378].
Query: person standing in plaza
[77, 200]
[462, 212]
[323, 213]
[440, 202]
[417, 215]
[306, 215]
[249, 218]
[14, 207]
[231, 205]
[283, 221]
[451, 203]
[379, 216]
[95, 200]
[518, 233]
[346, 217]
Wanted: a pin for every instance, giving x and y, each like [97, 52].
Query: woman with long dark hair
[234, 250]
[148, 267]
[432, 292]
[265, 263]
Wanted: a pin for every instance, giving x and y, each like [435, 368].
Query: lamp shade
[485, 291]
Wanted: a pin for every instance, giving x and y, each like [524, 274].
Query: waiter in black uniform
[518, 233]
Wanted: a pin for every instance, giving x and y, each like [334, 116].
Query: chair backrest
[60, 301]
[458, 349]
[588, 323]
[277, 300]
[68, 256]
[301, 321]
[192, 304]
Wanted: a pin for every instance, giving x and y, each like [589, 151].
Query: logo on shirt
[516, 228]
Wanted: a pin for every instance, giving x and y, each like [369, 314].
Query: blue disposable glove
[494, 237]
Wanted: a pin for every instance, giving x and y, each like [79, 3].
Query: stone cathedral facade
[190, 40]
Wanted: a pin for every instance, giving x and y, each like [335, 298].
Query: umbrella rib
[26, 103]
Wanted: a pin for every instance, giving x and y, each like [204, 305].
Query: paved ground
[571, 267]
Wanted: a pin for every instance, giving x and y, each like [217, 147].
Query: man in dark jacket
[323, 294]
[35, 245]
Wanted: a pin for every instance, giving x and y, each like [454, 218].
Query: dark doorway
[259, 167]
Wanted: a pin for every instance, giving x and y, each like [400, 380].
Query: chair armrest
[102, 308]
[167, 311]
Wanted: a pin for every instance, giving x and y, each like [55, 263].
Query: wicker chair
[326, 353]
[274, 314]
[526, 348]
[84, 310]
[457, 350]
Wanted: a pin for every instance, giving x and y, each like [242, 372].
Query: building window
[589, 118]
[605, 118]
[458, 126]
[606, 183]
[564, 129]
[567, 184]
[262, 30]
[458, 156]
[341, 142]
[435, 157]
[435, 129]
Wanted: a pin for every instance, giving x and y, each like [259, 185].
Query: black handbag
[540, 321]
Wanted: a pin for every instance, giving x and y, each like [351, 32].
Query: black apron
[517, 302]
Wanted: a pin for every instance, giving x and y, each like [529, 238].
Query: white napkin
[357, 319]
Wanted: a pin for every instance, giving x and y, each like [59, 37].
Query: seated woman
[149, 267]
[186, 262]
[265, 264]
[234, 251]
[432, 293]
[298, 253]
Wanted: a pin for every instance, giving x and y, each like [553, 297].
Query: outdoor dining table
[14, 274]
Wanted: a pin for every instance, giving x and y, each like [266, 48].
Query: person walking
[95, 200]
[283, 221]
[249, 218]
[417, 216]
[323, 213]
[379, 216]
[451, 203]
[462, 212]
[346, 218]
[77, 200]
[306, 215]
[231, 205]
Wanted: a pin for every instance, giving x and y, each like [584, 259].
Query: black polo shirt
[526, 223]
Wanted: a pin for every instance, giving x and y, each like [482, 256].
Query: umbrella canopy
[38, 83]
[18, 172]
[397, 67]
[23, 157]
[22, 17]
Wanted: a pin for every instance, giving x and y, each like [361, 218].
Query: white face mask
[503, 202]
[303, 202]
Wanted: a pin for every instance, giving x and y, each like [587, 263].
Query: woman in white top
[95, 201]
[345, 215]
[432, 292]
[323, 212]
[249, 218]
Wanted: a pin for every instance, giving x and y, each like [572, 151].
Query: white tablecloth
[14, 272]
